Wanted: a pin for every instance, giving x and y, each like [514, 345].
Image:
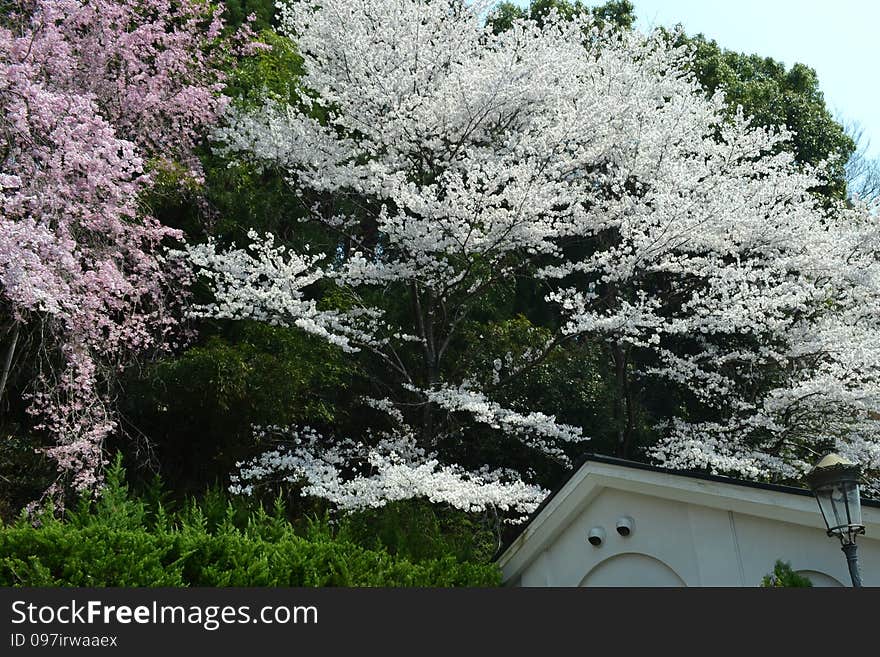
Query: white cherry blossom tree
[447, 160]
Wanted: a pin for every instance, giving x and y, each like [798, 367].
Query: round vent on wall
[596, 536]
[625, 526]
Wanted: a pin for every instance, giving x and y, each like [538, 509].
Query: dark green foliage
[619, 14]
[238, 196]
[24, 474]
[198, 409]
[124, 541]
[274, 72]
[417, 530]
[236, 11]
[784, 576]
[570, 383]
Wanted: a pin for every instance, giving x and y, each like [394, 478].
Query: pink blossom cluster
[90, 94]
[148, 66]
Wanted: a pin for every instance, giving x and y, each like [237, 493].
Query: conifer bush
[124, 540]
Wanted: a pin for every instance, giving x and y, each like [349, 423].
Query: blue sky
[840, 40]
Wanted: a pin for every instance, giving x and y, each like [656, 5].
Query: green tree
[784, 576]
[619, 14]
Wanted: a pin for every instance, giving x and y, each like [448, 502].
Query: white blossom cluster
[826, 353]
[535, 429]
[355, 475]
[269, 283]
[487, 155]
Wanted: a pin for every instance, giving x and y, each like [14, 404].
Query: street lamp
[835, 483]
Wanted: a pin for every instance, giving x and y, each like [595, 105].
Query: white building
[684, 529]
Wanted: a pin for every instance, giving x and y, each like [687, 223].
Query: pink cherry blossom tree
[94, 97]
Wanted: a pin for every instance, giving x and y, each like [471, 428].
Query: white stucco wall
[677, 543]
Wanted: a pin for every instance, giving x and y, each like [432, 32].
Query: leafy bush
[784, 576]
[125, 541]
[416, 530]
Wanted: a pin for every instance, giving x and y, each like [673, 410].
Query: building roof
[584, 463]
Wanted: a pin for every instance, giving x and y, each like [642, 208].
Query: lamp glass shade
[835, 483]
[840, 505]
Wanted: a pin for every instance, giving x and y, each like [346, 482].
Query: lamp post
[835, 483]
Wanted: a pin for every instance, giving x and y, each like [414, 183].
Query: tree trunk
[432, 365]
[624, 413]
[7, 362]
[425, 315]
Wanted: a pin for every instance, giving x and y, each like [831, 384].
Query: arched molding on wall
[632, 569]
[820, 579]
